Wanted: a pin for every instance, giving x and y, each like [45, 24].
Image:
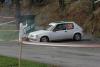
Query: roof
[59, 22]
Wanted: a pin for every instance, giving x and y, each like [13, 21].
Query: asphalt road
[62, 56]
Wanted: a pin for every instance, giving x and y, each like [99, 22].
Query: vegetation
[85, 12]
[8, 35]
[13, 62]
[8, 32]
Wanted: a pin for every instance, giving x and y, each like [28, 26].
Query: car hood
[38, 32]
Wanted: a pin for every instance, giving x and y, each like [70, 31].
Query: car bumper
[30, 39]
[33, 39]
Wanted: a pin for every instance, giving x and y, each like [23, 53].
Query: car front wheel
[44, 39]
[77, 37]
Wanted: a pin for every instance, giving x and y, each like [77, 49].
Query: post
[18, 14]
[20, 54]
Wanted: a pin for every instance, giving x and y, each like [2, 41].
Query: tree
[39, 2]
[61, 4]
[2, 1]
[93, 4]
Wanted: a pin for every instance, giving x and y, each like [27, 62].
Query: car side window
[69, 26]
[60, 27]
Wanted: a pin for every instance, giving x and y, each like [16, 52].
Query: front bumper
[30, 39]
[33, 39]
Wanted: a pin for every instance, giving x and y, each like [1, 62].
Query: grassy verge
[8, 27]
[13, 62]
[8, 32]
[8, 35]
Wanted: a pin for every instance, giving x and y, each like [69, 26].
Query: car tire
[44, 39]
[77, 37]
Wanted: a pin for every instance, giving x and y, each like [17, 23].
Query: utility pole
[18, 12]
[18, 18]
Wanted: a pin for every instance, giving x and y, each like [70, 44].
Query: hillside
[80, 11]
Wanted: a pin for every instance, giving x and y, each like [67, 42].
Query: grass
[8, 35]
[13, 62]
[8, 27]
[8, 32]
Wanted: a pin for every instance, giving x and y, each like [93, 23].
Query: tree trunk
[26, 7]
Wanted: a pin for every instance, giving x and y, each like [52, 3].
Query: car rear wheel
[44, 39]
[77, 37]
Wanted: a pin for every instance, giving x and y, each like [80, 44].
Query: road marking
[63, 45]
[9, 30]
[6, 17]
[7, 22]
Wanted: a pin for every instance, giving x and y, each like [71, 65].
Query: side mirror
[55, 30]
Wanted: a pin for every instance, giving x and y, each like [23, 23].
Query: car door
[59, 32]
[70, 30]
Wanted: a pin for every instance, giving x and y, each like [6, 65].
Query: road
[62, 56]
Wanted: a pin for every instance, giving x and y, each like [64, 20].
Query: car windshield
[49, 27]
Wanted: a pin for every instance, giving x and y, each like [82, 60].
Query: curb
[63, 45]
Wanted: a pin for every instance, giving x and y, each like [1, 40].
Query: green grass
[13, 62]
[8, 35]
[8, 27]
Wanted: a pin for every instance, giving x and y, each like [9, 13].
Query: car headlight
[35, 36]
[31, 36]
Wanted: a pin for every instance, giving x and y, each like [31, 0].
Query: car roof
[59, 22]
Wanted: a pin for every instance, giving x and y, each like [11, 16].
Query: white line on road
[10, 30]
[63, 45]
[7, 17]
[7, 22]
